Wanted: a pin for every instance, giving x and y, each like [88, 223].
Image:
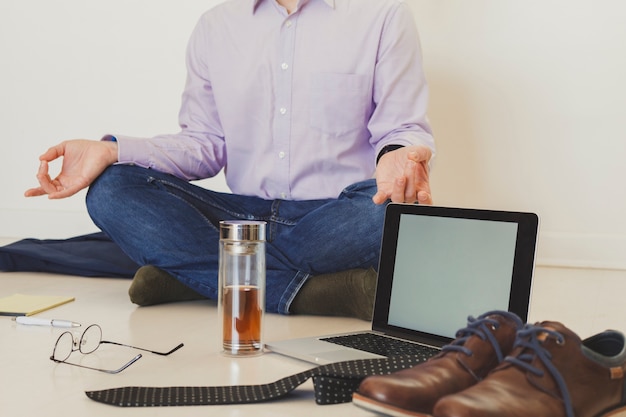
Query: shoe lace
[481, 327]
[531, 339]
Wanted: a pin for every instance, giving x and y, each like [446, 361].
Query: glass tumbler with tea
[241, 301]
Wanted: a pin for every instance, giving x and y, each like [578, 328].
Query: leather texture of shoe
[478, 349]
[551, 373]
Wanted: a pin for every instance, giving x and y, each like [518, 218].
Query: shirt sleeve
[400, 92]
[198, 150]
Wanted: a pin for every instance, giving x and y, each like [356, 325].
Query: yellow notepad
[27, 305]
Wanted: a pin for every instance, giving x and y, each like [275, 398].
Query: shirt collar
[330, 3]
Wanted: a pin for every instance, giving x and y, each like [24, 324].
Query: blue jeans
[160, 220]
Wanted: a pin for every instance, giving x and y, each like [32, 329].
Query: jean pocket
[339, 102]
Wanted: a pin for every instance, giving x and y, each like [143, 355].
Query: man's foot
[347, 293]
[152, 285]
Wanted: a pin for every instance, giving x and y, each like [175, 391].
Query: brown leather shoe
[551, 373]
[413, 392]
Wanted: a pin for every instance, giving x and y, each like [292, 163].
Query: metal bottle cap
[242, 230]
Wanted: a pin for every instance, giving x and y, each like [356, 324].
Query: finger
[64, 192]
[424, 198]
[42, 175]
[34, 192]
[53, 153]
[380, 197]
[421, 175]
[422, 180]
[421, 154]
[422, 190]
[410, 191]
[397, 194]
[44, 179]
[383, 192]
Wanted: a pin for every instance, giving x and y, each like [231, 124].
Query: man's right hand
[83, 161]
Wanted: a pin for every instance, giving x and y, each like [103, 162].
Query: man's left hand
[402, 176]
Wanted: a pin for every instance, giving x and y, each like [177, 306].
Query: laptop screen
[440, 265]
[445, 265]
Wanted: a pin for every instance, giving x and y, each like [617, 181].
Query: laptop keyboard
[381, 345]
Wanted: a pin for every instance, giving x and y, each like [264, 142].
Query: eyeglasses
[89, 341]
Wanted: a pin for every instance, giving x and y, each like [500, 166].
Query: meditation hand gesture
[83, 161]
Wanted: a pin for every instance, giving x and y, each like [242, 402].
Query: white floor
[587, 301]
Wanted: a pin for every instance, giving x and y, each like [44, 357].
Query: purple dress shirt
[294, 106]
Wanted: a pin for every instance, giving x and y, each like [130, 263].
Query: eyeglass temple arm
[145, 350]
[114, 371]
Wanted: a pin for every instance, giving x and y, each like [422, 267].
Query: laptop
[438, 265]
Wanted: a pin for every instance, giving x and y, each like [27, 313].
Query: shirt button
[284, 66]
[288, 23]
[283, 110]
[281, 155]
[283, 195]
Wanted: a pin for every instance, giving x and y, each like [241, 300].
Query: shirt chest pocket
[339, 102]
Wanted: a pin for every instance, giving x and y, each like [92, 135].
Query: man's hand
[402, 176]
[83, 161]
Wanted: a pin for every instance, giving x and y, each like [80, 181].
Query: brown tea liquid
[242, 320]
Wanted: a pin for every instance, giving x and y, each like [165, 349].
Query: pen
[37, 321]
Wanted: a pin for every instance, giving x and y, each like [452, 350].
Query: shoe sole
[620, 412]
[389, 410]
[386, 409]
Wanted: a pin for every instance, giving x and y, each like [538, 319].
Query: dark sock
[347, 293]
[152, 285]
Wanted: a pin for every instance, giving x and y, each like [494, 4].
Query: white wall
[526, 102]
[80, 69]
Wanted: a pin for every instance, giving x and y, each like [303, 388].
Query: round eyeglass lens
[64, 347]
[90, 340]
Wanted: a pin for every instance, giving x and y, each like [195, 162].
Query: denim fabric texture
[158, 219]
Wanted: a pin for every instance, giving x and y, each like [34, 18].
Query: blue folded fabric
[92, 255]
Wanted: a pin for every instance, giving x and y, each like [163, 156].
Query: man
[300, 102]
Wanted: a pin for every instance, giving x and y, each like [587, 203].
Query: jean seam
[196, 196]
[357, 188]
[291, 291]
